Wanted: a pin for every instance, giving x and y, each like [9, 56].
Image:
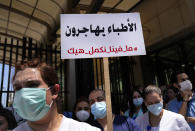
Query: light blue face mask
[30, 103]
[155, 108]
[138, 101]
[98, 109]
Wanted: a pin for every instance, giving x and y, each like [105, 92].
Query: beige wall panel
[188, 14]
[38, 27]
[19, 6]
[2, 30]
[127, 4]
[85, 2]
[165, 18]
[3, 24]
[33, 35]
[43, 17]
[16, 28]
[5, 2]
[110, 3]
[163, 5]
[170, 21]
[3, 14]
[14, 34]
[30, 2]
[19, 19]
[147, 10]
[193, 2]
[152, 31]
[48, 6]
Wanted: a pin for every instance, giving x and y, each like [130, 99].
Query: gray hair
[152, 89]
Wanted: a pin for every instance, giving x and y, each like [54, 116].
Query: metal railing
[13, 51]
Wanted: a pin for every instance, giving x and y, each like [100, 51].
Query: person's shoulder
[74, 125]
[178, 120]
[173, 115]
[122, 121]
[172, 101]
[140, 118]
[120, 117]
[173, 105]
[192, 101]
[22, 127]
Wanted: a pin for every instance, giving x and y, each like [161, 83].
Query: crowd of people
[36, 105]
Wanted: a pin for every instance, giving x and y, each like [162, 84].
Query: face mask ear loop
[48, 88]
[51, 104]
[52, 100]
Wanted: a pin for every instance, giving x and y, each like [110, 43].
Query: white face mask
[82, 115]
[185, 85]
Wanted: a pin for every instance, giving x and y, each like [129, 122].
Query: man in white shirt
[157, 118]
[36, 99]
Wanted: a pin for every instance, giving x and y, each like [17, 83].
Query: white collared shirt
[67, 124]
[170, 121]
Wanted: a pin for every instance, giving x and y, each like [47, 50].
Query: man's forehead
[28, 74]
[83, 103]
[182, 75]
[96, 94]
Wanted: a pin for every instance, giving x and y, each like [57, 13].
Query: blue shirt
[138, 114]
[121, 123]
[174, 106]
[191, 111]
[67, 114]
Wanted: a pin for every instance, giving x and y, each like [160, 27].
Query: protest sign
[101, 35]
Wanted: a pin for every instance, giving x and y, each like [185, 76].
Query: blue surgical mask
[30, 103]
[98, 109]
[138, 101]
[155, 108]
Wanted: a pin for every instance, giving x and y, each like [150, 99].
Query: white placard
[101, 35]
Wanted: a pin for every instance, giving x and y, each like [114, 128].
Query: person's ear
[56, 89]
[161, 99]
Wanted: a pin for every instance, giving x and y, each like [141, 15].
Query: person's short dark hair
[152, 89]
[9, 118]
[80, 100]
[175, 90]
[47, 72]
[173, 78]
